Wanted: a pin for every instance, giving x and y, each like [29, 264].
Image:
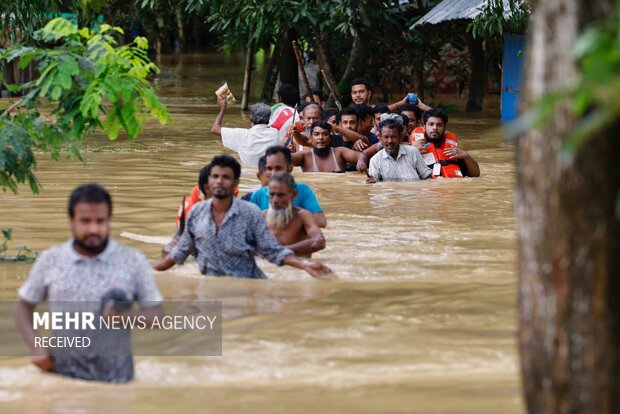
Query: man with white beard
[293, 227]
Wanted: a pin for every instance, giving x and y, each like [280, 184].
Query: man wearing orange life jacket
[440, 149]
[195, 197]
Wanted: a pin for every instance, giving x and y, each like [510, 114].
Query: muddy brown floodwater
[421, 320]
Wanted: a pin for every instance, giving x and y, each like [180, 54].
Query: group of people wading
[385, 141]
[280, 222]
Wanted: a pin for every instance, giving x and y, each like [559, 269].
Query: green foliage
[232, 20]
[24, 254]
[90, 83]
[495, 19]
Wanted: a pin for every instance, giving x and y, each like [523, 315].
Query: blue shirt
[305, 198]
[229, 250]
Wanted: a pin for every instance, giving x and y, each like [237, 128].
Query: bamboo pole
[302, 70]
[247, 78]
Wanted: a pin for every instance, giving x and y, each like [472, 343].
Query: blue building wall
[514, 57]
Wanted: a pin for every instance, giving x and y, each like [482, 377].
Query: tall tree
[568, 211]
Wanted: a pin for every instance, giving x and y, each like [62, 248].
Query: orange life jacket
[189, 202]
[434, 155]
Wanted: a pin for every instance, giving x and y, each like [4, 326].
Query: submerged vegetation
[23, 254]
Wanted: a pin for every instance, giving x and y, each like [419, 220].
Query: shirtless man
[293, 227]
[322, 157]
[301, 132]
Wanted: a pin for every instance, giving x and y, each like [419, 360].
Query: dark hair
[411, 108]
[362, 81]
[288, 94]
[279, 149]
[222, 161]
[436, 113]
[203, 177]
[329, 113]
[283, 177]
[382, 109]
[390, 124]
[363, 111]
[262, 164]
[405, 119]
[316, 92]
[89, 193]
[320, 124]
[345, 111]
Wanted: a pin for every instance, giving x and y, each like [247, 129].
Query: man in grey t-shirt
[84, 270]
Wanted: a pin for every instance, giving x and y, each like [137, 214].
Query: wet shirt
[250, 144]
[229, 250]
[63, 277]
[305, 199]
[408, 165]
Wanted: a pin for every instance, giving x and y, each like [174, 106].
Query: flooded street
[421, 320]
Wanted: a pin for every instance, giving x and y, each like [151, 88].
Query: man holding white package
[251, 143]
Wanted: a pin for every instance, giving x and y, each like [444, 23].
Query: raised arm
[349, 135]
[217, 124]
[396, 105]
[301, 139]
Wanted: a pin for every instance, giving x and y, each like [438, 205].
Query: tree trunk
[568, 235]
[287, 64]
[420, 80]
[271, 73]
[326, 67]
[479, 70]
[247, 78]
[159, 39]
[356, 66]
[180, 41]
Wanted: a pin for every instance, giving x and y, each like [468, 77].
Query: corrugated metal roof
[454, 10]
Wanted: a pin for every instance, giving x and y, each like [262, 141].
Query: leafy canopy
[499, 16]
[86, 82]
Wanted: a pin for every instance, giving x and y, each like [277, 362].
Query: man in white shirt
[252, 143]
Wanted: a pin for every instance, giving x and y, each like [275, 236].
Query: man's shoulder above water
[301, 189]
[204, 207]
